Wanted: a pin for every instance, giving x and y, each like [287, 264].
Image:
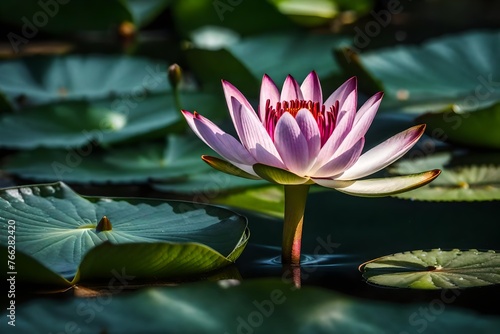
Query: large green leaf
[207, 185]
[177, 159]
[254, 306]
[476, 180]
[67, 235]
[478, 128]
[145, 11]
[237, 15]
[320, 12]
[435, 269]
[261, 54]
[40, 80]
[32, 16]
[77, 123]
[441, 72]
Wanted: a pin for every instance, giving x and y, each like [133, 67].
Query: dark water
[347, 231]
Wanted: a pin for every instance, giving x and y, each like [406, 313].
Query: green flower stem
[295, 204]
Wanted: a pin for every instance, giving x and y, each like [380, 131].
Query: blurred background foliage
[85, 99]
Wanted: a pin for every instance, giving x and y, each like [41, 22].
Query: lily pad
[207, 185]
[40, 80]
[435, 269]
[252, 306]
[144, 12]
[237, 15]
[179, 157]
[438, 73]
[88, 238]
[265, 53]
[320, 12]
[478, 128]
[475, 181]
[77, 123]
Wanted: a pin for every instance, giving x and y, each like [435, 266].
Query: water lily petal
[328, 150]
[222, 143]
[268, 91]
[292, 145]
[381, 187]
[254, 136]
[341, 162]
[279, 176]
[346, 94]
[311, 88]
[231, 92]
[229, 168]
[384, 154]
[291, 90]
[362, 121]
[309, 128]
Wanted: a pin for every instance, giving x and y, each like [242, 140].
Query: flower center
[324, 118]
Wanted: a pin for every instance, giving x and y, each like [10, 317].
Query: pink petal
[362, 121]
[346, 94]
[311, 88]
[232, 92]
[292, 145]
[331, 145]
[384, 154]
[341, 162]
[222, 143]
[291, 90]
[254, 136]
[309, 128]
[268, 91]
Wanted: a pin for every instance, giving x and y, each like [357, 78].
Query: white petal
[346, 94]
[380, 187]
[254, 136]
[268, 91]
[328, 150]
[309, 128]
[291, 90]
[341, 162]
[311, 88]
[384, 154]
[362, 121]
[222, 143]
[292, 145]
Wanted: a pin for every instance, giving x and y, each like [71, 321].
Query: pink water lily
[297, 139]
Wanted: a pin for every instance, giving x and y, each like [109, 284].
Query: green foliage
[436, 269]
[475, 179]
[58, 239]
[260, 306]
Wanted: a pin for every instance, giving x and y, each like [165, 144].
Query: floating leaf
[462, 182]
[253, 306]
[60, 231]
[133, 164]
[478, 128]
[145, 11]
[40, 80]
[265, 200]
[206, 185]
[437, 74]
[239, 16]
[435, 269]
[319, 12]
[265, 54]
[77, 123]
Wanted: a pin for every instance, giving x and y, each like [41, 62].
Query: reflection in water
[267, 255]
